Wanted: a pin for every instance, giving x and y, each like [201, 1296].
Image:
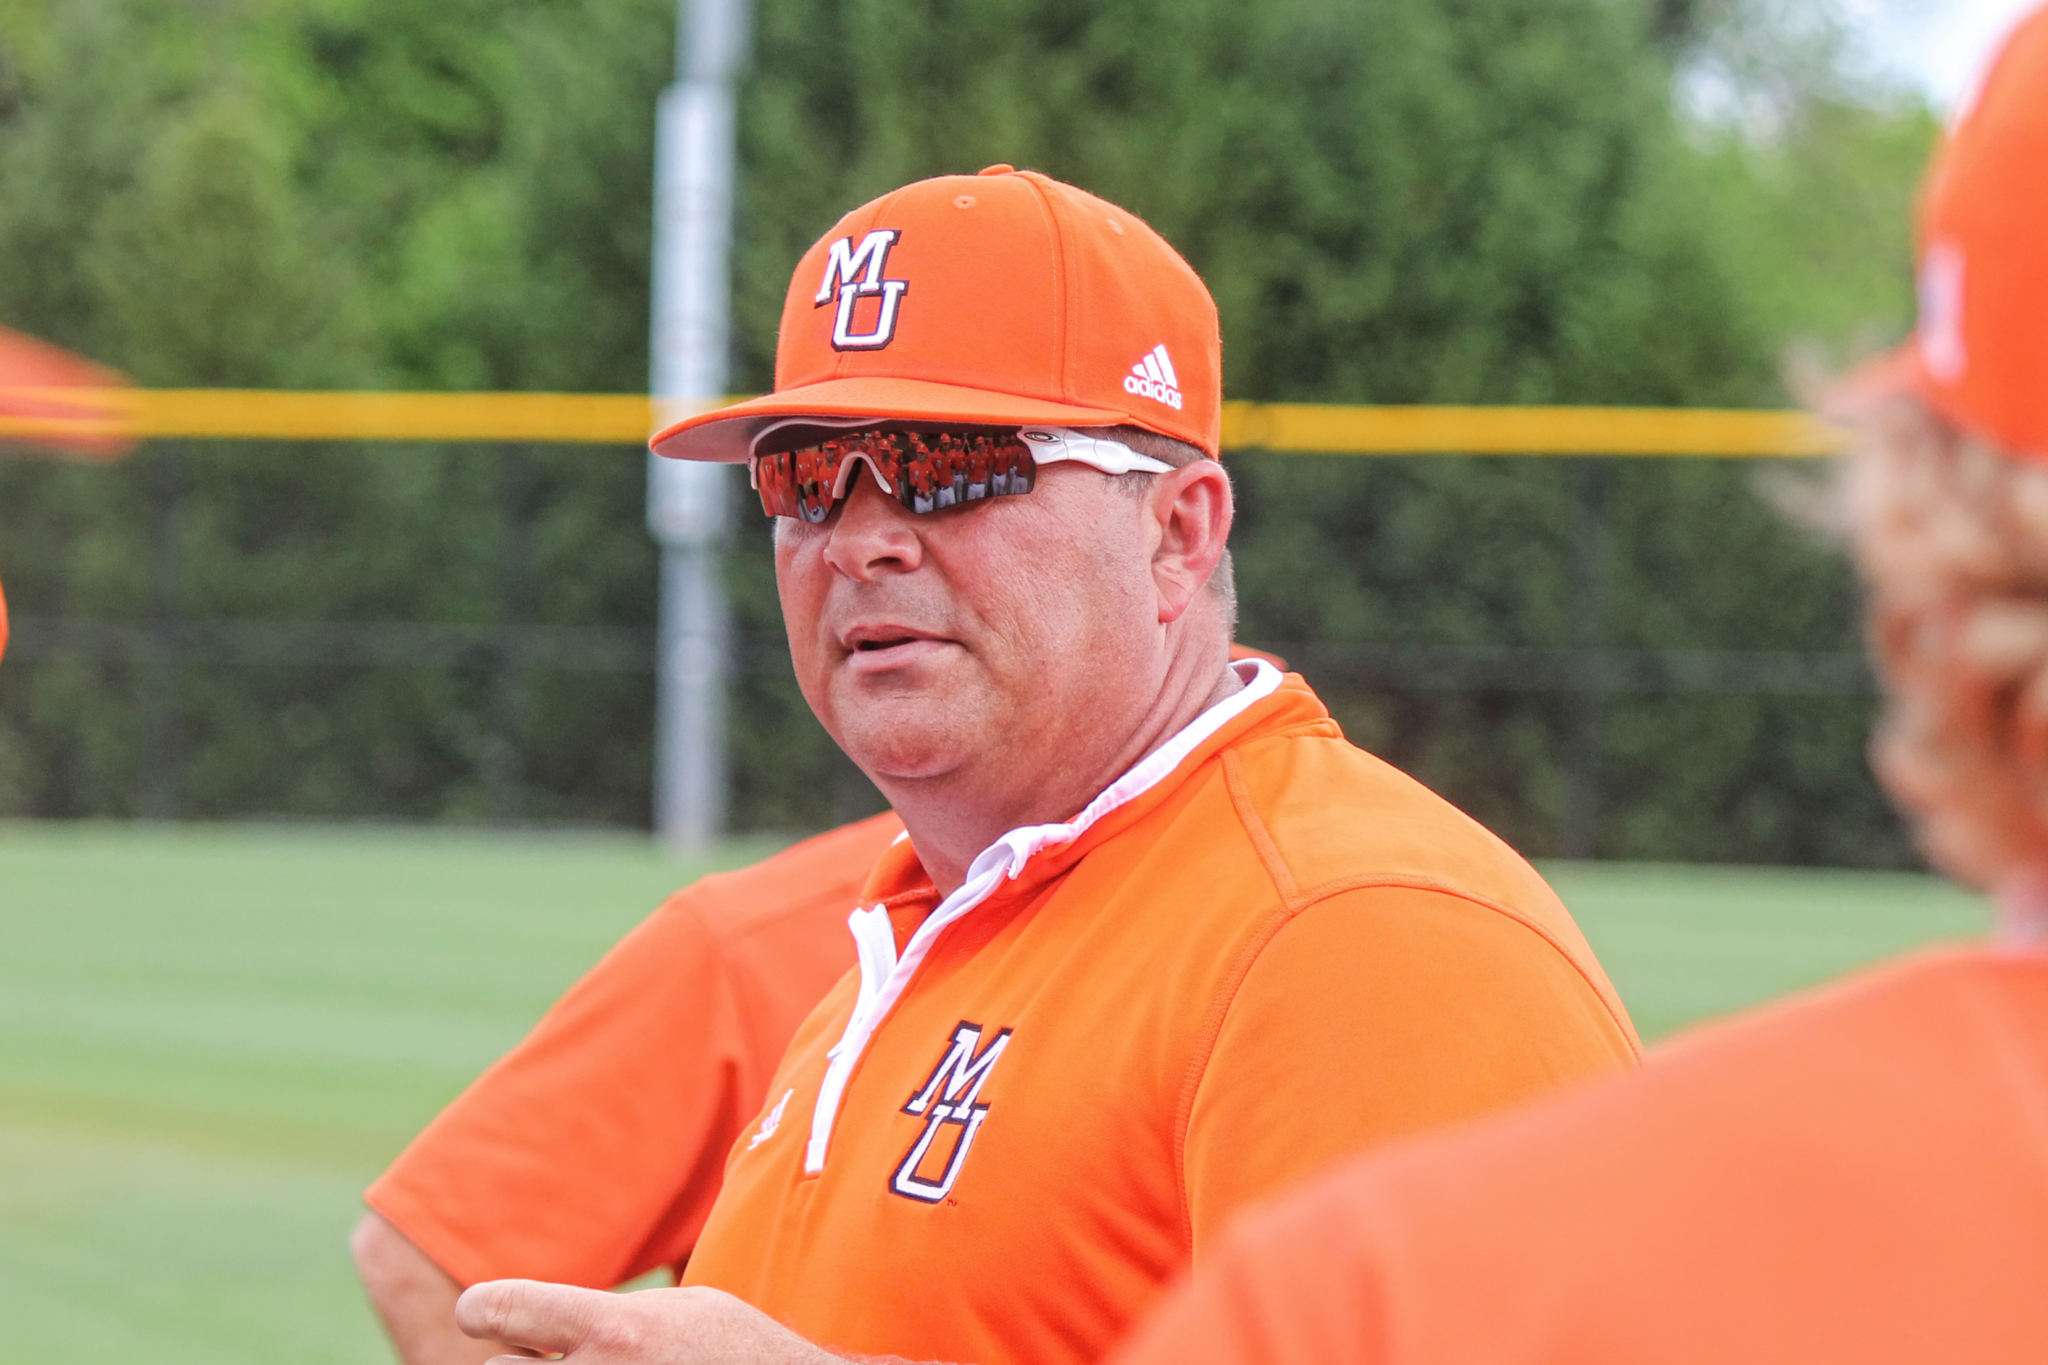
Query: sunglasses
[802, 468]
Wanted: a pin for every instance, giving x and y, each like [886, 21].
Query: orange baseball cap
[1979, 353]
[999, 298]
[53, 400]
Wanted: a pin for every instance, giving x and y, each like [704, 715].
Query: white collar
[885, 974]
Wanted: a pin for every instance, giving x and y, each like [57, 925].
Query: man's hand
[651, 1327]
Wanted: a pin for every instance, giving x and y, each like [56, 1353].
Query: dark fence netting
[1598, 658]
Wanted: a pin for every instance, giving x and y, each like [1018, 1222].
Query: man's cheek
[798, 589]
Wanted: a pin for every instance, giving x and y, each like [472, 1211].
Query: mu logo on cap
[949, 1099]
[853, 273]
[1940, 331]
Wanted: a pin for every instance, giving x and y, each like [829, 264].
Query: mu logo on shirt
[950, 1099]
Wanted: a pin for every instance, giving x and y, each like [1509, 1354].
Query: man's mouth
[882, 635]
[881, 647]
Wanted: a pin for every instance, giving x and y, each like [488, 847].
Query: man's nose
[872, 533]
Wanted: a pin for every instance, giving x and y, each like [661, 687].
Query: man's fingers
[528, 1313]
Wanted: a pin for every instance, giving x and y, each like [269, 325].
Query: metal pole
[686, 502]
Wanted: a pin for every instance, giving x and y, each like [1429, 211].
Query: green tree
[1403, 202]
[1407, 201]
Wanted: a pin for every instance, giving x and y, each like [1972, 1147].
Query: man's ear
[1193, 509]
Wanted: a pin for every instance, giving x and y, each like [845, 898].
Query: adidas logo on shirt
[1153, 378]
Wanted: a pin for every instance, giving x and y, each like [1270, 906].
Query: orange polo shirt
[591, 1153]
[1859, 1175]
[1259, 949]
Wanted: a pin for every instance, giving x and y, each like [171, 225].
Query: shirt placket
[885, 973]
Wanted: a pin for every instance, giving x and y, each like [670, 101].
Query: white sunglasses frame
[1048, 445]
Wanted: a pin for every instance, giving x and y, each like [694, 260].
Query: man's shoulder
[783, 919]
[1334, 817]
[1329, 824]
[818, 877]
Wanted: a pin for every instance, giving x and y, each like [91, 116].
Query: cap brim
[1888, 375]
[1897, 370]
[726, 434]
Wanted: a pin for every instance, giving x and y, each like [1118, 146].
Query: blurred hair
[1951, 537]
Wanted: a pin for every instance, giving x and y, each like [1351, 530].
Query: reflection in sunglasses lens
[926, 470]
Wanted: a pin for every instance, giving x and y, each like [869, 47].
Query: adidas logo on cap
[1153, 378]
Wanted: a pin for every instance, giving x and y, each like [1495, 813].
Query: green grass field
[212, 1038]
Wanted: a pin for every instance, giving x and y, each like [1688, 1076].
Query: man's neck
[951, 819]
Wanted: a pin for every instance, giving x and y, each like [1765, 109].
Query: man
[1159, 940]
[591, 1153]
[1860, 1174]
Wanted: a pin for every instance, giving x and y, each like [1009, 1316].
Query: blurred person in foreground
[1859, 1173]
[1159, 940]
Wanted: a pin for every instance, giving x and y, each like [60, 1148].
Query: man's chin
[900, 744]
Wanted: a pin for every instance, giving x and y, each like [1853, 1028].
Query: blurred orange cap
[1004, 297]
[52, 399]
[1979, 354]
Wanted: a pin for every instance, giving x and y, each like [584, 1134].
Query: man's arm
[695, 1326]
[417, 1301]
[591, 1153]
[414, 1297]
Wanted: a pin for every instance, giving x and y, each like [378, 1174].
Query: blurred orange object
[1851, 1175]
[1980, 353]
[54, 401]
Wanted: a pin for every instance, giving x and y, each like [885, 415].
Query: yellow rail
[256, 414]
[244, 414]
[1525, 431]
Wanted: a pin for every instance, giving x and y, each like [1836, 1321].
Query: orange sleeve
[591, 1153]
[1374, 1014]
[573, 1154]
